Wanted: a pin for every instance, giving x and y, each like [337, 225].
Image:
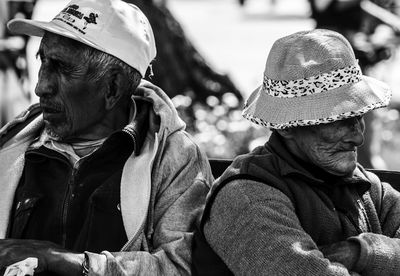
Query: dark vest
[77, 208]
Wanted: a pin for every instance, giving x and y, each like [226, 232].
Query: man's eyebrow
[52, 57]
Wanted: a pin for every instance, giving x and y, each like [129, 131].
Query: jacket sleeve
[380, 254]
[183, 177]
[254, 229]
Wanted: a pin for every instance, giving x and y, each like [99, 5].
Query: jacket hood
[167, 119]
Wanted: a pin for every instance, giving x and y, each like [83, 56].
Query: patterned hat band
[312, 85]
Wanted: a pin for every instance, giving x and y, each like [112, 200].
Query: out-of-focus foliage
[218, 126]
[390, 137]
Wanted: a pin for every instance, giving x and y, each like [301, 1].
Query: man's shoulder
[181, 152]
[182, 142]
[15, 126]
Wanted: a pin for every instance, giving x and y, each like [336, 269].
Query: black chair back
[218, 166]
[391, 177]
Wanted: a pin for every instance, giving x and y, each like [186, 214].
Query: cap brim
[345, 102]
[38, 28]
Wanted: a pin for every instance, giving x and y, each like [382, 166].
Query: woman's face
[332, 146]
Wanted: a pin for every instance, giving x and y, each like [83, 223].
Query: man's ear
[115, 88]
[286, 133]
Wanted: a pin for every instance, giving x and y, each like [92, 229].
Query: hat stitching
[312, 85]
[326, 120]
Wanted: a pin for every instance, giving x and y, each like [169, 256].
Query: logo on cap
[76, 18]
[91, 19]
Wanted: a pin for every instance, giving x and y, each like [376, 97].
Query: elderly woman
[300, 204]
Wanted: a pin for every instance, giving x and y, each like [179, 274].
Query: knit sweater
[257, 229]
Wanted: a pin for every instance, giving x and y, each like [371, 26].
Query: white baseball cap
[111, 26]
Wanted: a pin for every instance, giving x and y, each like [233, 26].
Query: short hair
[99, 63]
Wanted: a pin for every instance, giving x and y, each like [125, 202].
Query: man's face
[73, 105]
[332, 146]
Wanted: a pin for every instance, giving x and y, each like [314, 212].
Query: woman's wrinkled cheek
[322, 150]
[324, 155]
[331, 161]
[339, 164]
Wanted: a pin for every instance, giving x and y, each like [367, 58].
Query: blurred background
[211, 56]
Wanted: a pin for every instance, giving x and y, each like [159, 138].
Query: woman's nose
[356, 127]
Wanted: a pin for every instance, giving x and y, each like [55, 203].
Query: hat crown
[111, 26]
[313, 78]
[309, 53]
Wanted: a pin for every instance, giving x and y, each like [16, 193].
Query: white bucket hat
[111, 26]
[311, 78]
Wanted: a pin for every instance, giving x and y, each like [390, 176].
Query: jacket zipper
[67, 200]
[365, 218]
[132, 134]
[132, 240]
[364, 212]
[354, 223]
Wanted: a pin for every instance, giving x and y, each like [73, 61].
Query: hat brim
[38, 28]
[345, 102]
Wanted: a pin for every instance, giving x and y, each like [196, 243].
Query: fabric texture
[257, 229]
[311, 78]
[111, 26]
[163, 188]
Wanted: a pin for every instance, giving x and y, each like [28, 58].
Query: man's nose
[45, 86]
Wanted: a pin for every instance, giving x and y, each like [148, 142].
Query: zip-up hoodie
[163, 188]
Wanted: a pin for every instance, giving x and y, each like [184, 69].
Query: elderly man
[300, 204]
[102, 167]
